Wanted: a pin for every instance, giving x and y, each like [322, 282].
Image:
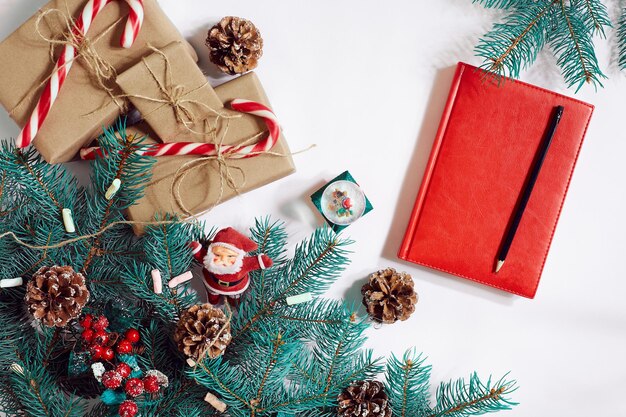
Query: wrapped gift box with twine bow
[190, 185]
[172, 94]
[89, 97]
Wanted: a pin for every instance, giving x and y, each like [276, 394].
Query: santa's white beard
[222, 269]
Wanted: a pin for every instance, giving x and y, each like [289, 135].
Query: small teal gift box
[341, 201]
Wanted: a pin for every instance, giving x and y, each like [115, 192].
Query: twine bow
[224, 169]
[174, 95]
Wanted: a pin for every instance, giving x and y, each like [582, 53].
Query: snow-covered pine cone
[364, 399]
[203, 330]
[56, 294]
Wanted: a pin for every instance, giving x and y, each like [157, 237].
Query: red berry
[101, 337]
[128, 408]
[96, 352]
[101, 323]
[151, 384]
[132, 335]
[108, 354]
[86, 321]
[87, 335]
[111, 379]
[124, 347]
[134, 387]
[123, 369]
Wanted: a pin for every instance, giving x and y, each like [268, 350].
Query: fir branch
[365, 367]
[407, 383]
[313, 319]
[156, 354]
[316, 264]
[333, 362]
[278, 343]
[165, 304]
[39, 395]
[621, 40]
[568, 26]
[573, 46]
[457, 399]
[306, 375]
[227, 381]
[24, 160]
[502, 4]
[515, 43]
[44, 256]
[594, 14]
[127, 150]
[271, 239]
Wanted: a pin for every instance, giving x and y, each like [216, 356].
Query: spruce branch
[514, 44]
[277, 345]
[227, 381]
[621, 40]
[456, 399]
[121, 162]
[568, 26]
[407, 384]
[317, 262]
[594, 14]
[573, 46]
[502, 4]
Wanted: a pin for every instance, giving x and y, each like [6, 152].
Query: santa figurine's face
[221, 259]
[223, 256]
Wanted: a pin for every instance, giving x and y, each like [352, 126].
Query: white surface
[367, 82]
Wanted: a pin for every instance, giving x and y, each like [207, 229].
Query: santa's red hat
[232, 239]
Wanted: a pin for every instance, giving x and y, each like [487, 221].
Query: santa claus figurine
[226, 264]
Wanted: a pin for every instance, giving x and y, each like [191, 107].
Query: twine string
[95, 234]
[225, 168]
[174, 95]
[100, 71]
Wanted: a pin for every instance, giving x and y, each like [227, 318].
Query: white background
[367, 82]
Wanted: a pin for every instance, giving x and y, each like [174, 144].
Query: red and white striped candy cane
[210, 149]
[66, 59]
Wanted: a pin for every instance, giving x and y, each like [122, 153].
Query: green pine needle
[572, 44]
[502, 4]
[567, 26]
[621, 39]
[514, 44]
[460, 398]
[408, 384]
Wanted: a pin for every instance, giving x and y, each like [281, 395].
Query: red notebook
[483, 152]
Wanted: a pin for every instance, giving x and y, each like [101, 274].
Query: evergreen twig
[568, 26]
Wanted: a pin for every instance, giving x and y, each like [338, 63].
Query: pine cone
[56, 294]
[389, 296]
[364, 399]
[235, 45]
[202, 330]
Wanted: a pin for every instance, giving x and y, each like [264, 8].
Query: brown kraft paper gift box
[201, 188]
[172, 94]
[82, 108]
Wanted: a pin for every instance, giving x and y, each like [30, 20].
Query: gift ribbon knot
[175, 96]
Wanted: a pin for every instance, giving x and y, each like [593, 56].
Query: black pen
[528, 189]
